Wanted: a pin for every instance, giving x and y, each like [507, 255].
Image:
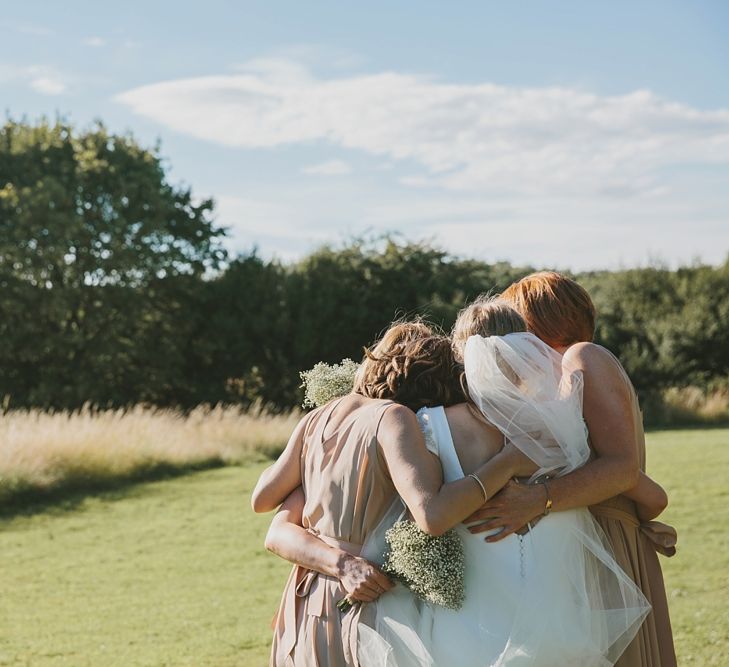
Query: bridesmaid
[352, 458]
[561, 313]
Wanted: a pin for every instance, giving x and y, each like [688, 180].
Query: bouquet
[431, 567]
[324, 383]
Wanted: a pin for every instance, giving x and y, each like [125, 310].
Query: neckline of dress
[353, 414]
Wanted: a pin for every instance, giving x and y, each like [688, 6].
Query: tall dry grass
[688, 406]
[42, 452]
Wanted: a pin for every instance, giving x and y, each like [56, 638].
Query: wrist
[511, 457]
[547, 497]
[538, 500]
[342, 563]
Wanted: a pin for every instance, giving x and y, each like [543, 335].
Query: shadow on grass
[70, 495]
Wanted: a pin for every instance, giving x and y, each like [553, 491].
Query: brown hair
[412, 368]
[556, 308]
[486, 316]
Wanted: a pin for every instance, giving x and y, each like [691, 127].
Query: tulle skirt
[554, 597]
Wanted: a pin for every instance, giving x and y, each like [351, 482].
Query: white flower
[324, 382]
[431, 567]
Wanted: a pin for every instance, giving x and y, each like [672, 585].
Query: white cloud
[272, 224]
[47, 86]
[328, 168]
[574, 232]
[95, 42]
[546, 176]
[46, 80]
[42, 79]
[463, 137]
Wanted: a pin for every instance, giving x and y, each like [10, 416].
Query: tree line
[117, 289]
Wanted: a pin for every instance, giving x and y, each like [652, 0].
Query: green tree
[240, 349]
[92, 234]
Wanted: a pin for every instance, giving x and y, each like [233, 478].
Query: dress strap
[381, 409]
[452, 469]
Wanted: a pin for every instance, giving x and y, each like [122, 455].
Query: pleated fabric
[348, 491]
[636, 547]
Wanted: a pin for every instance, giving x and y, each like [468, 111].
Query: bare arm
[608, 413]
[416, 473]
[288, 539]
[279, 480]
[649, 497]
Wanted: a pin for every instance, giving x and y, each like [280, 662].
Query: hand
[362, 580]
[510, 509]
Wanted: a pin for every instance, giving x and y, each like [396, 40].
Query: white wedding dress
[554, 597]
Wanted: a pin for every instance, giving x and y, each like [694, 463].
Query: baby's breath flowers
[431, 567]
[324, 382]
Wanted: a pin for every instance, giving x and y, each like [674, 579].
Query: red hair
[556, 308]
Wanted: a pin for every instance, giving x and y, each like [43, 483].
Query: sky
[572, 135]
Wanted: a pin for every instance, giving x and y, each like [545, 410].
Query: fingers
[492, 524]
[381, 580]
[472, 518]
[507, 530]
[372, 584]
[365, 593]
[481, 514]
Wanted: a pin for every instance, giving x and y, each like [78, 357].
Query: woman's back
[474, 439]
[348, 490]
[345, 479]
[463, 442]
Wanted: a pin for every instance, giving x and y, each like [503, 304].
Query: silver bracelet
[480, 483]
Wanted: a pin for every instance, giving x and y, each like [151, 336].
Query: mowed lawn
[174, 572]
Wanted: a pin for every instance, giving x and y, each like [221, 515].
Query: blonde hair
[486, 316]
[556, 308]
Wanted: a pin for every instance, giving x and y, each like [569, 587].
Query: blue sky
[565, 134]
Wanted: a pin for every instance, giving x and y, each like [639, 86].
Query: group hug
[520, 440]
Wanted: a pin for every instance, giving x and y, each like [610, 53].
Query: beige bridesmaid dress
[636, 546]
[348, 491]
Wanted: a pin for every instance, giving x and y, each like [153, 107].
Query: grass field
[173, 573]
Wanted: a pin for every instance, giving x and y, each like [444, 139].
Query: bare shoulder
[399, 432]
[591, 358]
[603, 374]
[460, 415]
[399, 417]
[458, 410]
